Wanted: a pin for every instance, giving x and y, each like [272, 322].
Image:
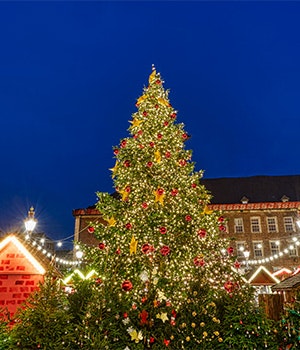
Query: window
[238, 225]
[288, 224]
[258, 250]
[240, 247]
[255, 224]
[274, 247]
[292, 249]
[272, 224]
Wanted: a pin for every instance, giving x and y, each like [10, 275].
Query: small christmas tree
[44, 321]
[165, 272]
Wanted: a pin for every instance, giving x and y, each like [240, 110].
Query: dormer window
[245, 200]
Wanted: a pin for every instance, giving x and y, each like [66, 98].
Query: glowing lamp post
[30, 222]
[246, 253]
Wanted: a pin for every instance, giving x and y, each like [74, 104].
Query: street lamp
[30, 222]
[246, 253]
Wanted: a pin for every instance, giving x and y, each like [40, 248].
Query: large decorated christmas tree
[167, 277]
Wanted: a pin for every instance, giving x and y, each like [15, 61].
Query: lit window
[240, 247]
[258, 250]
[292, 250]
[255, 225]
[274, 247]
[238, 225]
[272, 224]
[288, 224]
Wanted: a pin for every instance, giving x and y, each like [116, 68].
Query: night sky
[70, 73]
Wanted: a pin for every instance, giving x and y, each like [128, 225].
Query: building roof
[262, 277]
[290, 283]
[254, 188]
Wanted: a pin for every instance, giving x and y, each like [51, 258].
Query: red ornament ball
[166, 123]
[145, 113]
[127, 163]
[174, 192]
[151, 144]
[184, 136]
[165, 250]
[222, 228]
[230, 250]
[91, 229]
[221, 219]
[126, 285]
[199, 261]
[101, 246]
[149, 164]
[128, 225]
[160, 191]
[144, 205]
[147, 248]
[123, 143]
[182, 162]
[167, 154]
[159, 136]
[163, 230]
[173, 115]
[188, 218]
[118, 251]
[156, 106]
[194, 185]
[127, 189]
[202, 233]
[116, 151]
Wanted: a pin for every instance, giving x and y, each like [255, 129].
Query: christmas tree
[167, 278]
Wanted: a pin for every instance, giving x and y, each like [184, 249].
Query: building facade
[261, 212]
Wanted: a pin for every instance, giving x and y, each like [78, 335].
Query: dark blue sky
[70, 73]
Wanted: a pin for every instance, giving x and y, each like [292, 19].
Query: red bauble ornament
[145, 113]
[127, 189]
[166, 123]
[158, 82]
[159, 136]
[144, 205]
[184, 136]
[118, 251]
[127, 163]
[174, 313]
[160, 191]
[151, 144]
[101, 246]
[151, 340]
[167, 154]
[91, 229]
[165, 250]
[173, 115]
[141, 146]
[98, 280]
[222, 228]
[228, 286]
[188, 218]
[221, 219]
[126, 285]
[123, 143]
[199, 261]
[147, 248]
[156, 106]
[182, 162]
[174, 192]
[167, 342]
[128, 225]
[194, 185]
[149, 164]
[202, 233]
[125, 315]
[230, 250]
[116, 151]
[163, 230]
